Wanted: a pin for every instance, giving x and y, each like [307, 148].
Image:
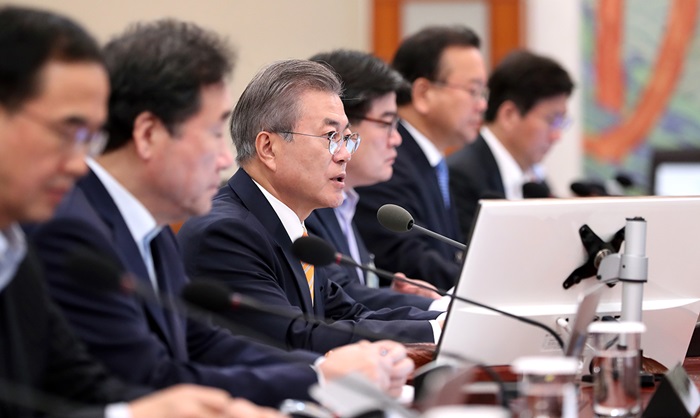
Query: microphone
[533, 189]
[397, 219]
[214, 296]
[612, 187]
[316, 251]
[588, 189]
[101, 273]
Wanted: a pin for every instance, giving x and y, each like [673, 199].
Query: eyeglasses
[476, 92]
[559, 122]
[79, 138]
[352, 141]
[389, 124]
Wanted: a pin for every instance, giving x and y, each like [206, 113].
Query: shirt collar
[432, 153]
[141, 223]
[13, 248]
[512, 175]
[289, 219]
[347, 209]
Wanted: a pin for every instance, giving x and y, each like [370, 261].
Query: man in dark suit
[525, 117]
[293, 142]
[53, 95]
[168, 109]
[369, 99]
[442, 109]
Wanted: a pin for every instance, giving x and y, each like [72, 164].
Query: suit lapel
[243, 187]
[128, 251]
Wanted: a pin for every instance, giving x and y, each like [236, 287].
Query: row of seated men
[104, 148]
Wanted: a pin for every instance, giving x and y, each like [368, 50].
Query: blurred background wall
[581, 34]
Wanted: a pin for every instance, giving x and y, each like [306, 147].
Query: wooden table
[423, 353]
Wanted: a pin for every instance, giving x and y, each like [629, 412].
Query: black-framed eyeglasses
[352, 141]
[389, 124]
[476, 92]
[79, 138]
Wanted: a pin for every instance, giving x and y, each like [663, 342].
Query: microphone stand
[630, 268]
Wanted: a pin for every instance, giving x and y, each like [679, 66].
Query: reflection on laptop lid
[585, 314]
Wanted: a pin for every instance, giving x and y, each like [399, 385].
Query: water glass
[616, 366]
[547, 386]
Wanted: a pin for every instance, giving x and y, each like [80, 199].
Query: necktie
[443, 177]
[309, 273]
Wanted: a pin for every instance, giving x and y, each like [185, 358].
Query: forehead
[72, 90]
[555, 104]
[462, 62]
[215, 100]
[321, 109]
[383, 104]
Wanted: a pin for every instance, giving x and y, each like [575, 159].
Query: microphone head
[582, 189]
[207, 294]
[314, 250]
[492, 194]
[395, 218]
[625, 180]
[94, 270]
[533, 189]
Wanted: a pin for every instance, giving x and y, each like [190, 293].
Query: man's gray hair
[270, 102]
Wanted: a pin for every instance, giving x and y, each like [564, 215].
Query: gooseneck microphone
[214, 296]
[100, 273]
[316, 251]
[397, 219]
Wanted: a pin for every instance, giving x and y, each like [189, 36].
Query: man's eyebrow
[226, 115]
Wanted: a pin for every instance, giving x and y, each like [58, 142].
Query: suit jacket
[324, 223]
[138, 339]
[413, 186]
[39, 354]
[243, 243]
[474, 174]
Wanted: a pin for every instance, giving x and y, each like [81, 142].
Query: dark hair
[420, 54]
[161, 67]
[525, 78]
[271, 101]
[364, 76]
[29, 39]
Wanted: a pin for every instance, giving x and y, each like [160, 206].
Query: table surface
[421, 354]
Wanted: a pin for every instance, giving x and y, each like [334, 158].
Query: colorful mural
[641, 86]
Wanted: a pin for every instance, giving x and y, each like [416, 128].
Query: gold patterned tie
[309, 272]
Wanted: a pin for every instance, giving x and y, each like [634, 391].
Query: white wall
[266, 30]
[262, 31]
[553, 29]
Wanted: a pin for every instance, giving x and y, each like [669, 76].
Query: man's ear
[421, 95]
[267, 147]
[147, 131]
[508, 115]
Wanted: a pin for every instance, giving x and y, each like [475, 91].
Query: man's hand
[191, 401]
[403, 287]
[383, 363]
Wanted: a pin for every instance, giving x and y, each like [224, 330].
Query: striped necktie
[309, 273]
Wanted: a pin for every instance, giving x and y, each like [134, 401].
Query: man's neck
[418, 121]
[259, 176]
[507, 141]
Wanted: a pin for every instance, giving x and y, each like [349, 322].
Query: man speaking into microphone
[293, 142]
[369, 99]
[167, 115]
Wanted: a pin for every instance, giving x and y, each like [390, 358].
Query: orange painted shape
[616, 143]
[608, 66]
